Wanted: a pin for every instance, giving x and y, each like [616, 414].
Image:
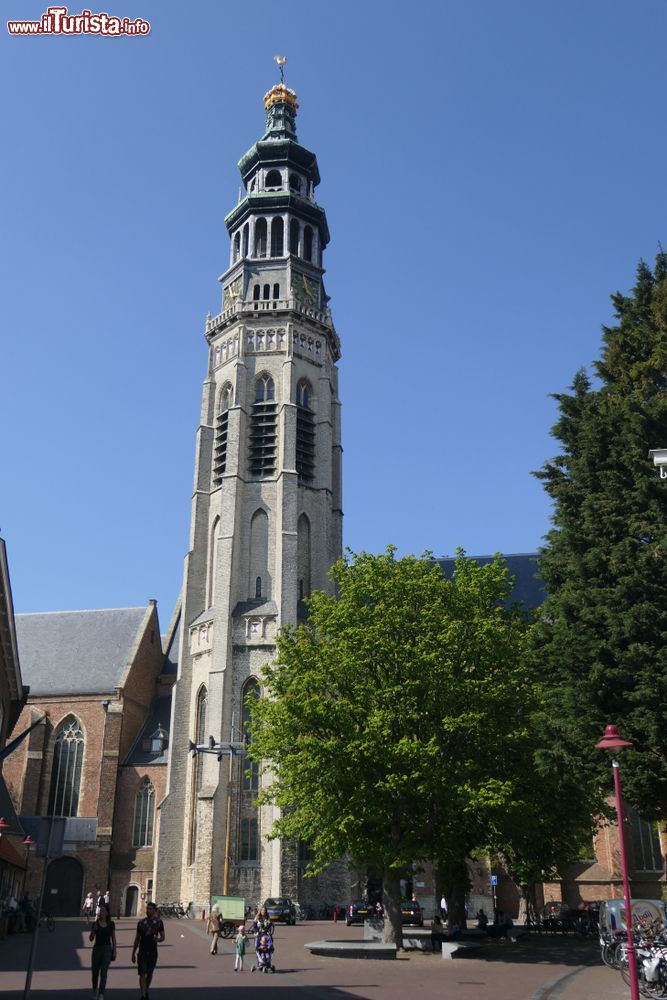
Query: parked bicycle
[651, 959]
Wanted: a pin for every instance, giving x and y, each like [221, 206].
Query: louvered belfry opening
[305, 433]
[263, 421]
[221, 433]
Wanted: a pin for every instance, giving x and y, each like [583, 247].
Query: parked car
[281, 910]
[357, 912]
[412, 913]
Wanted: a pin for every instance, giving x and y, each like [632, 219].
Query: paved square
[542, 968]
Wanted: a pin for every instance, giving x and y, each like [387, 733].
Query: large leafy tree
[602, 630]
[397, 723]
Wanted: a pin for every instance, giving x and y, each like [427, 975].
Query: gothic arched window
[303, 556]
[294, 236]
[308, 243]
[277, 232]
[144, 813]
[305, 431]
[260, 238]
[221, 432]
[251, 771]
[67, 766]
[197, 767]
[263, 421]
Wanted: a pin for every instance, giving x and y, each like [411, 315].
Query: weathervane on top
[281, 60]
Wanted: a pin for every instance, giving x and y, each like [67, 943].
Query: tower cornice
[279, 151]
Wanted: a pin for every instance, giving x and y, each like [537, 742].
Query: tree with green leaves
[600, 638]
[397, 724]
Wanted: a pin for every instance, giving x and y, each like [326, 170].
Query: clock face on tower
[232, 291]
[305, 289]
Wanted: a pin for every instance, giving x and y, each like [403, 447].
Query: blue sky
[491, 172]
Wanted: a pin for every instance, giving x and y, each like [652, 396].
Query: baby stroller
[264, 954]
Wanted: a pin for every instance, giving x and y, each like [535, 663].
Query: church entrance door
[64, 885]
[131, 898]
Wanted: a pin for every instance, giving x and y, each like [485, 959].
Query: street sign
[494, 880]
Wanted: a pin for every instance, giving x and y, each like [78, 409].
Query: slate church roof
[77, 652]
[528, 590]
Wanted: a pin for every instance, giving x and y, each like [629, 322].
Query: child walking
[240, 949]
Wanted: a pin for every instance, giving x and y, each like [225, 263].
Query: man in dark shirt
[150, 933]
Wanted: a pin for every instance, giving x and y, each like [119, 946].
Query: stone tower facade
[266, 519]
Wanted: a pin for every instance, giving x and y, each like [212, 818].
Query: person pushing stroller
[262, 928]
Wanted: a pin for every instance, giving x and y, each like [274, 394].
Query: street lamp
[659, 456]
[613, 741]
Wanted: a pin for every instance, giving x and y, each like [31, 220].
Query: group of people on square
[93, 902]
[444, 929]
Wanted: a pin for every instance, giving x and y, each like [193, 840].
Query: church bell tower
[266, 519]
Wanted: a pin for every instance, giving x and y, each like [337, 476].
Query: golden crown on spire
[280, 94]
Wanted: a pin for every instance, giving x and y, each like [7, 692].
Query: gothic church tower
[266, 517]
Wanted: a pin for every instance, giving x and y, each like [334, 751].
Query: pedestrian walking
[214, 928]
[103, 934]
[150, 933]
[262, 923]
[89, 907]
[241, 940]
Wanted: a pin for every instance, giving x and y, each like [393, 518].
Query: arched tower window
[305, 432]
[260, 238]
[259, 555]
[67, 765]
[295, 183]
[308, 243]
[294, 236]
[197, 768]
[263, 422]
[212, 563]
[144, 813]
[237, 246]
[274, 181]
[246, 238]
[250, 694]
[303, 556]
[277, 231]
[221, 432]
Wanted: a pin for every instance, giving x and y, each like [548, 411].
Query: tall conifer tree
[602, 635]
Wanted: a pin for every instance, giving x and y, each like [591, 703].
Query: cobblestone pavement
[547, 968]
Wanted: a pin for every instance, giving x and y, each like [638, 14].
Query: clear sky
[491, 172]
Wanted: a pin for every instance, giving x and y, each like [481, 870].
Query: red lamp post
[613, 741]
